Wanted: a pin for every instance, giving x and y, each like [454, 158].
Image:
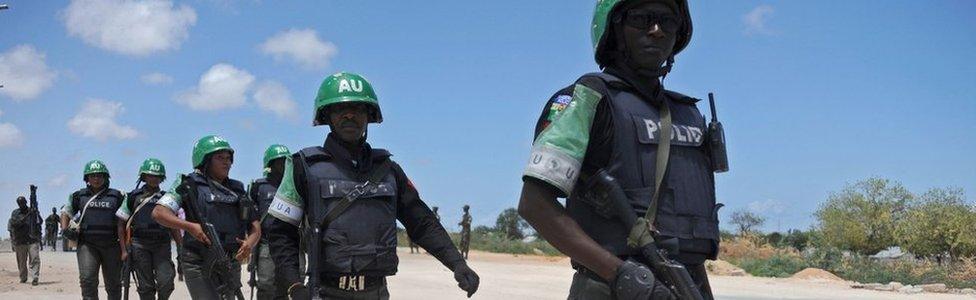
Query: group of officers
[339, 201]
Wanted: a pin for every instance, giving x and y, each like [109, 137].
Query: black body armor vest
[687, 208]
[362, 240]
[263, 192]
[221, 206]
[144, 227]
[99, 222]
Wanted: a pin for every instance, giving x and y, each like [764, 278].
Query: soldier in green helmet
[89, 218]
[349, 196]
[211, 199]
[616, 144]
[262, 191]
[150, 242]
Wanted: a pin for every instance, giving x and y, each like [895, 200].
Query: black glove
[71, 234]
[635, 281]
[299, 292]
[467, 279]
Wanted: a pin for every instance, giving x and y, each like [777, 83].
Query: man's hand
[125, 255]
[196, 231]
[33, 188]
[635, 281]
[245, 250]
[467, 279]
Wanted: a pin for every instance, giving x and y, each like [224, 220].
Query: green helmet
[152, 166]
[605, 8]
[206, 145]
[95, 167]
[346, 87]
[274, 152]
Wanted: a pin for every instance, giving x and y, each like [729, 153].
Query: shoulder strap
[132, 216]
[375, 176]
[661, 165]
[85, 208]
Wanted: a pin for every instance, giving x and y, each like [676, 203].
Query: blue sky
[813, 95]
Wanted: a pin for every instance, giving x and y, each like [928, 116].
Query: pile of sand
[724, 268]
[816, 274]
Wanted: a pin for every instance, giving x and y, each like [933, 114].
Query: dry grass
[964, 270]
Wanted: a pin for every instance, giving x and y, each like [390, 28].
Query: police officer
[262, 191]
[51, 224]
[25, 237]
[151, 248]
[359, 244]
[91, 211]
[611, 121]
[465, 231]
[221, 201]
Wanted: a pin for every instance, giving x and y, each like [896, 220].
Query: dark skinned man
[51, 224]
[611, 121]
[25, 239]
[358, 245]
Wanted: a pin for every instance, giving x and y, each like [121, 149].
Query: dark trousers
[584, 287]
[28, 259]
[153, 265]
[196, 274]
[105, 256]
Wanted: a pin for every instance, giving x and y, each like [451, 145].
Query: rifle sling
[661, 164]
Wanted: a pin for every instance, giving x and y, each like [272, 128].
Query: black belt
[354, 283]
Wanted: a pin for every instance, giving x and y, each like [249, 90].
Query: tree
[798, 239]
[511, 224]
[862, 216]
[747, 221]
[939, 223]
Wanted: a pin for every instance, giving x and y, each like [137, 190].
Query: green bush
[779, 265]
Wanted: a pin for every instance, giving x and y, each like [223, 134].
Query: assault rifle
[252, 267]
[127, 272]
[609, 200]
[219, 263]
[34, 215]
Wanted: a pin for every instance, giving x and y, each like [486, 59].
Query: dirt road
[504, 277]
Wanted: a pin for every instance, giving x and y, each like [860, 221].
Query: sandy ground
[503, 277]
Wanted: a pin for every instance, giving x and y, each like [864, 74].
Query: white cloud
[96, 119]
[24, 74]
[300, 46]
[10, 135]
[768, 206]
[274, 97]
[156, 78]
[221, 87]
[130, 27]
[59, 180]
[755, 20]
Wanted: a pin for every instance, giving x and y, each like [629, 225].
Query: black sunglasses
[645, 20]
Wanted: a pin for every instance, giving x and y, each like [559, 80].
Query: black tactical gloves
[467, 279]
[299, 292]
[635, 281]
